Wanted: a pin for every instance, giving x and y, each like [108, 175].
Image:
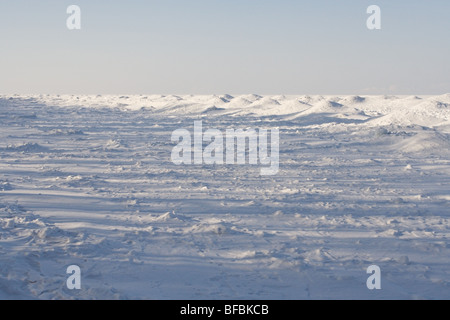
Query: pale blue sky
[225, 46]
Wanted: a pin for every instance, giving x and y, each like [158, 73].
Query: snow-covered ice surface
[88, 180]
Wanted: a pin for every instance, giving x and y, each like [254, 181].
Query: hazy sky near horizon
[218, 46]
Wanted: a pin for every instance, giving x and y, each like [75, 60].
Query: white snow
[88, 181]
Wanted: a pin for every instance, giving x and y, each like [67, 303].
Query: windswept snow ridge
[89, 181]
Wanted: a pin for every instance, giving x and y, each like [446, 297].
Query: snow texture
[88, 181]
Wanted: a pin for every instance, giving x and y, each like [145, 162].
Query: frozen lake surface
[89, 181]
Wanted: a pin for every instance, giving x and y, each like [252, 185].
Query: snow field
[88, 180]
